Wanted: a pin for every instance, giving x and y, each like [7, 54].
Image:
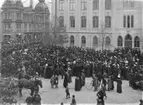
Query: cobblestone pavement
[56, 96]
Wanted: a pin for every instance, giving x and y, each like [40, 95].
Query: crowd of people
[49, 60]
[52, 61]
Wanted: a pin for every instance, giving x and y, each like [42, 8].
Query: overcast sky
[26, 2]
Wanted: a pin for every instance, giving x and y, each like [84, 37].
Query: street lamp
[103, 35]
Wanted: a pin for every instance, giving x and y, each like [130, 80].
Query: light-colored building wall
[117, 12]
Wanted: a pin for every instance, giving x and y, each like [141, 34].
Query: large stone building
[17, 20]
[98, 24]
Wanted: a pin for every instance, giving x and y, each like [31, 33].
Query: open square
[85, 96]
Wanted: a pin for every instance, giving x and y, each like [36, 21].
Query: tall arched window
[128, 18]
[120, 41]
[95, 4]
[83, 21]
[72, 41]
[61, 21]
[132, 21]
[124, 22]
[107, 22]
[108, 41]
[72, 21]
[136, 42]
[128, 41]
[83, 41]
[95, 41]
[95, 21]
[107, 4]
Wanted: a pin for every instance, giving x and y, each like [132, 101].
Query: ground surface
[56, 96]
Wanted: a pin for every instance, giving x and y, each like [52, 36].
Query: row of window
[128, 39]
[95, 21]
[72, 5]
[127, 4]
[95, 41]
[7, 27]
[26, 17]
[128, 21]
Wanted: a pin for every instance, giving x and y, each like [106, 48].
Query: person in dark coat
[119, 85]
[141, 102]
[101, 94]
[83, 78]
[37, 99]
[65, 84]
[73, 100]
[29, 100]
[112, 82]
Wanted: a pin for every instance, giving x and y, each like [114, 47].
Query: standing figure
[141, 102]
[37, 99]
[119, 85]
[29, 100]
[67, 93]
[56, 80]
[109, 83]
[69, 75]
[65, 84]
[101, 94]
[112, 82]
[73, 100]
[82, 79]
[95, 82]
[52, 81]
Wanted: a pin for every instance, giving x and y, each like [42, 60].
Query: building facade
[27, 22]
[101, 24]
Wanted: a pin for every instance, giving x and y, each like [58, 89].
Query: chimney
[31, 3]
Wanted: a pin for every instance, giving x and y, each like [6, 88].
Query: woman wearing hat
[119, 84]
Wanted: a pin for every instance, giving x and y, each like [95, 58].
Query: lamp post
[103, 35]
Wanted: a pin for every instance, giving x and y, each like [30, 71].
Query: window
[29, 27]
[136, 42]
[95, 41]
[7, 15]
[18, 15]
[7, 26]
[61, 5]
[108, 40]
[83, 41]
[128, 21]
[72, 5]
[61, 21]
[95, 21]
[72, 21]
[132, 21]
[107, 22]
[128, 4]
[83, 21]
[95, 4]
[18, 26]
[124, 22]
[72, 41]
[120, 41]
[83, 4]
[107, 4]
[25, 27]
